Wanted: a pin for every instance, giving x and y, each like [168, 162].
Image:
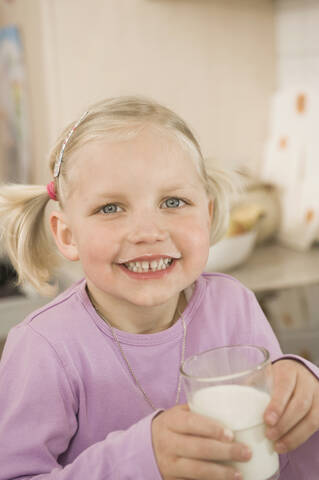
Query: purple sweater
[69, 407]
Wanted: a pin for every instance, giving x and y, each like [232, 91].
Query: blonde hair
[22, 207]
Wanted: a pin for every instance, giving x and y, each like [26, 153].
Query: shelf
[274, 267]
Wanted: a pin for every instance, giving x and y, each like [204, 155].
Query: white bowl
[230, 252]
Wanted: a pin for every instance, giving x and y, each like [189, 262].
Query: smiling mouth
[152, 266]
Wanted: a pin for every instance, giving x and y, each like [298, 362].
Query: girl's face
[138, 218]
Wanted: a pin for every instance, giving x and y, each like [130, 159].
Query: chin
[151, 300]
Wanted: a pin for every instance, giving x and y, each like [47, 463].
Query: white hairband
[57, 165]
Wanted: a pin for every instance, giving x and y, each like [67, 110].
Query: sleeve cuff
[310, 366]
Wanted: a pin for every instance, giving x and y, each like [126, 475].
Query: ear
[63, 236]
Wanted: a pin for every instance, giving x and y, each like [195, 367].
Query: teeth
[145, 266]
[154, 265]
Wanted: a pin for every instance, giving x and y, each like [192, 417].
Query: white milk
[241, 409]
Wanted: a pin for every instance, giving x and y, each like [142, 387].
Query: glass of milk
[233, 385]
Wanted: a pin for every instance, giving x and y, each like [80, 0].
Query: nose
[147, 229]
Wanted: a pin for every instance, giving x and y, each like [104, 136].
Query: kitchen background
[239, 71]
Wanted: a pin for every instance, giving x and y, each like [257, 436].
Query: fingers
[299, 434]
[191, 446]
[194, 470]
[283, 389]
[297, 409]
[298, 423]
[190, 423]
[201, 448]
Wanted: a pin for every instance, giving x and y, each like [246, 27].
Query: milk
[241, 409]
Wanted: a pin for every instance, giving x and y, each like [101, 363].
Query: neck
[135, 318]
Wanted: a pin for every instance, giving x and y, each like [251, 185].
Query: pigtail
[223, 186]
[24, 235]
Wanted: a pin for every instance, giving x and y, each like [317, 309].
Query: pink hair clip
[51, 190]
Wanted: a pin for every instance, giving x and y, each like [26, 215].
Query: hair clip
[57, 165]
[51, 190]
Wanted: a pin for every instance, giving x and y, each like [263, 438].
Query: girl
[89, 384]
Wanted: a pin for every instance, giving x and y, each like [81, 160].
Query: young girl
[89, 384]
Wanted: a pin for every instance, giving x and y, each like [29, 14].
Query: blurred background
[243, 73]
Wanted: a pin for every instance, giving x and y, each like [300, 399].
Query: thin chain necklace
[137, 383]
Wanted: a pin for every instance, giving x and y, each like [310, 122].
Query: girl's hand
[292, 416]
[188, 445]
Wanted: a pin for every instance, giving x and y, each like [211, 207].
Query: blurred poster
[14, 137]
[291, 163]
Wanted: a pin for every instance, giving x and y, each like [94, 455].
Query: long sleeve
[39, 419]
[303, 462]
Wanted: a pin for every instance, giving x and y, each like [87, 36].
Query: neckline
[170, 334]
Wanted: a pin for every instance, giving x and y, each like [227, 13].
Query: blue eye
[110, 208]
[173, 202]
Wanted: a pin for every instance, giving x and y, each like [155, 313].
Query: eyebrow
[182, 187]
[108, 195]
[167, 189]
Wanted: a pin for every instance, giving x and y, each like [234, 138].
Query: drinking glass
[233, 385]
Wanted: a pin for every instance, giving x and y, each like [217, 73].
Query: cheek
[99, 249]
[195, 249]
[196, 235]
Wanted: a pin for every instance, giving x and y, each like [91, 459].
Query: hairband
[57, 166]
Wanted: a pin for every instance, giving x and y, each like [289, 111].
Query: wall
[297, 42]
[210, 60]
[28, 16]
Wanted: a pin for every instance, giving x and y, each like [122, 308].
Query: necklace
[137, 383]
